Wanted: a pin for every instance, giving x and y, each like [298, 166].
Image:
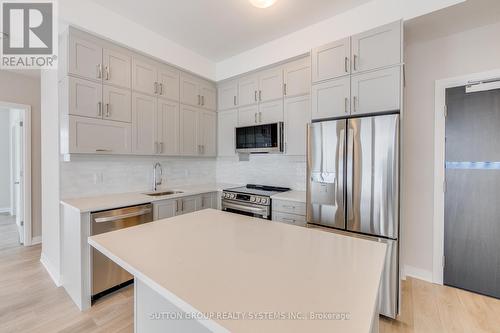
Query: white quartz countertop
[219, 262]
[297, 196]
[111, 201]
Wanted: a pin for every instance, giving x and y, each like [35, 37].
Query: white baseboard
[54, 274]
[36, 240]
[417, 273]
[5, 210]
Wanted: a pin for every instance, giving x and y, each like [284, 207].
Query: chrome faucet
[157, 181]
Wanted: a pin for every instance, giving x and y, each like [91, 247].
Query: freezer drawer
[325, 172]
[373, 175]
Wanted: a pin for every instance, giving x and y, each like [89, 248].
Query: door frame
[439, 162]
[25, 111]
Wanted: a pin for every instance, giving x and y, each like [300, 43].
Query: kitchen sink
[159, 194]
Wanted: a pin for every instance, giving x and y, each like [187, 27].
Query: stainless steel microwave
[266, 138]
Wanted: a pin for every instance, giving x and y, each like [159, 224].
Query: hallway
[9, 237]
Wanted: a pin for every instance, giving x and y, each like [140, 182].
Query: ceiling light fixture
[262, 3]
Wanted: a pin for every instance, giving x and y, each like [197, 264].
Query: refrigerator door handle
[350, 172]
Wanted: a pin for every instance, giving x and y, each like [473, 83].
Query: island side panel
[75, 256]
[151, 310]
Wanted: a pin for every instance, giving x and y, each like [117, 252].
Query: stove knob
[233, 196]
[257, 200]
[264, 201]
[224, 195]
[252, 199]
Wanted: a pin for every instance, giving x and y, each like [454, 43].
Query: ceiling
[451, 20]
[219, 29]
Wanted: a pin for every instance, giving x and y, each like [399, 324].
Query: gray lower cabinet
[290, 212]
[179, 206]
[377, 91]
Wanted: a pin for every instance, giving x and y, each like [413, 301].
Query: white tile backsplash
[95, 175]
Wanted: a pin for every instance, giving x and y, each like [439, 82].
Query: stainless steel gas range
[250, 200]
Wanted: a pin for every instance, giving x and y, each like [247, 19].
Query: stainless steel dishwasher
[106, 275]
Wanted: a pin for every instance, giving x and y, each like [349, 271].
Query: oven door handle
[244, 208]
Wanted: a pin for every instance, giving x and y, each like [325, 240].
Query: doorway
[15, 174]
[472, 189]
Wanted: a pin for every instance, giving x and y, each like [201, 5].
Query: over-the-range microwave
[266, 138]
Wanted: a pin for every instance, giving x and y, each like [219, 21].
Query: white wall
[361, 18]
[4, 160]
[103, 22]
[459, 54]
[22, 89]
[51, 229]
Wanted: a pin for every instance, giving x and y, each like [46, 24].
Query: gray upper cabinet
[85, 98]
[168, 127]
[189, 131]
[144, 122]
[207, 127]
[377, 48]
[248, 90]
[331, 99]
[297, 77]
[331, 61]
[197, 92]
[297, 116]
[144, 74]
[168, 82]
[117, 104]
[208, 93]
[226, 134]
[270, 84]
[85, 58]
[117, 64]
[228, 95]
[377, 91]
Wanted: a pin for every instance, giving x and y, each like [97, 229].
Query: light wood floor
[30, 302]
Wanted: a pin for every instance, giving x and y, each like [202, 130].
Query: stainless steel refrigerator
[353, 186]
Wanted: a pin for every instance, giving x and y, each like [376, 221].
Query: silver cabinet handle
[346, 64]
[99, 109]
[255, 95]
[354, 102]
[287, 219]
[176, 205]
[260, 117]
[355, 62]
[284, 89]
[156, 87]
[103, 150]
[161, 88]
[290, 207]
[182, 205]
[202, 100]
[99, 71]
[346, 105]
[107, 110]
[161, 147]
[234, 100]
[107, 73]
[260, 95]
[199, 99]
[255, 114]
[123, 216]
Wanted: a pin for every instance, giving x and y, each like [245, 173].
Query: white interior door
[17, 148]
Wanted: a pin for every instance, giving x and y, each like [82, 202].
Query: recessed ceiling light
[262, 3]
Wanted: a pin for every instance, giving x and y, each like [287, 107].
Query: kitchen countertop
[297, 196]
[216, 261]
[111, 201]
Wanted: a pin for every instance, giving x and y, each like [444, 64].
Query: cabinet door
[205, 201]
[117, 104]
[270, 112]
[169, 80]
[187, 205]
[331, 61]
[228, 95]
[226, 134]
[85, 98]
[248, 90]
[297, 77]
[144, 124]
[85, 58]
[207, 126]
[164, 209]
[189, 131]
[97, 136]
[377, 48]
[190, 90]
[208, 94]
[331, 99]
[297, 116]
[168, 127]
[378, 91]
[117, 68]
[271, 84]
[248, 116]
[144, 76]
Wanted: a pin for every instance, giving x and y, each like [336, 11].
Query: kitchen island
[213, 271]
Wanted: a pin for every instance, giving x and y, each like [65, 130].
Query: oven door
[243, 208]
[260, 138]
